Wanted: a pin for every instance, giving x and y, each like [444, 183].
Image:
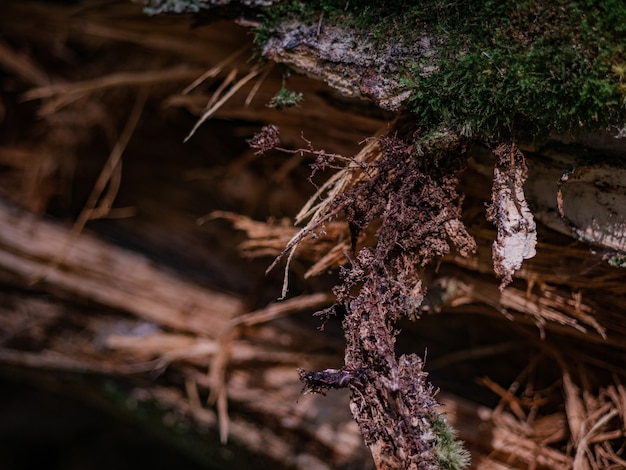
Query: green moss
[528, 69]
[273, 17]
[449, 452]
[502, 67]
[285, 99]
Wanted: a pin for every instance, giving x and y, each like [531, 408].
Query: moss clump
[449, 452]
[617, 260]
[529, 67]
[285, 99]
[502, 67]
[272, 17]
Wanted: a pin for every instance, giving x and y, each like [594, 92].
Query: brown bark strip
[394, 403]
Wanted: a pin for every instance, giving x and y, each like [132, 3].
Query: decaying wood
[391, 399]
[110, 312]
[113, 277]
[577, 199]
[158, 329]
[336, 57]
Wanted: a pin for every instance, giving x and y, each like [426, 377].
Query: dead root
[412, 200]
[414, 211]
[586, 434]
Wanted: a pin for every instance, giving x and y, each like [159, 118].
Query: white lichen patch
[350, 61]
[517, 231]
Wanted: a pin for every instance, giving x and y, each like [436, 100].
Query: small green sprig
[449, 451]
[285, 99]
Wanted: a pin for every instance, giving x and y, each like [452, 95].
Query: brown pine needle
[222, 415]
[230, 78]
[217, 379]
[107, 175]
[121, 79]
[22, 66]
[280, 309]
[258, 84]
[214, 71]
[191, 387]
[505, 395]
[155, 41]
[234, 89]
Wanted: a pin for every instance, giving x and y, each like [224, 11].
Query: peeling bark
[509, 211]
[583, 200]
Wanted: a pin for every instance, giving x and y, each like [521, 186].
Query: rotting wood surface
[109, 276]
